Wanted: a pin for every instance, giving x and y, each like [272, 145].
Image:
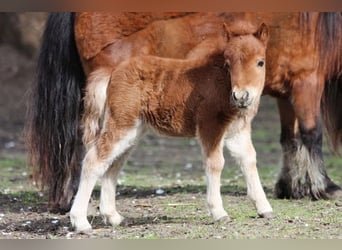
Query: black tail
[329, 34]
[331, 106]
[53, 136]
[329, 40]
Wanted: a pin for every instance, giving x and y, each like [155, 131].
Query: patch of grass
[14, 176]
[21, 201]
[28, 198]
[168, 174]
[334, 168]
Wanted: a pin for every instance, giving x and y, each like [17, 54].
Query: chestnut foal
[213, 95]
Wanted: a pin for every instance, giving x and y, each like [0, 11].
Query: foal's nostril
[242, 96]
[234, 96]
[245, 96]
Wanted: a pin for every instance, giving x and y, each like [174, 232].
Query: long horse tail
[53, 131]
[94, 104]
[331, 106]
[329, 36]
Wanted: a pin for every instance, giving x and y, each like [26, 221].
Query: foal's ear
[262, 33]
[227, 33]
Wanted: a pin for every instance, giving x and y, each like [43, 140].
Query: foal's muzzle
[241, 99]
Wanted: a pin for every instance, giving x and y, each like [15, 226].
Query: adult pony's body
[303, 72]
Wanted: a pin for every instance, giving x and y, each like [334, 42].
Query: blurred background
[20, 35]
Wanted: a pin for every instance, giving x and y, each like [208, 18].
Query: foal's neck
[206, 48]
[208, 51]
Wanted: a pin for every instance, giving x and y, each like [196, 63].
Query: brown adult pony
[193, 97]
[304, 67]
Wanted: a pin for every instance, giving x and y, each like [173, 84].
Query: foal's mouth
[244, 105]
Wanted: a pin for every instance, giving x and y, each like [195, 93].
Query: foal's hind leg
[92, 169]
[241, 148]
[108, 191]
[98, 159]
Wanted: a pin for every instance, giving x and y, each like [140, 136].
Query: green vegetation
[162, 191]
[13, 175]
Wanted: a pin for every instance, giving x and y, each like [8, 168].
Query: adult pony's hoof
[335, 195]
[333, 191]
[286, 189]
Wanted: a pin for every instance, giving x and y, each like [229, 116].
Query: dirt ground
[179, 212]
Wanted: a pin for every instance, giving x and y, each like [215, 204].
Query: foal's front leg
[213, 165]
[241, 148]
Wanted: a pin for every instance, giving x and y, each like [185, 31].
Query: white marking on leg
[242, 150]
[213, 165]
[95, 102]
[108, 192]
[78, 212]
[92, 169]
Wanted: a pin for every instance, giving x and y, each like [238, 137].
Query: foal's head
[245, 57]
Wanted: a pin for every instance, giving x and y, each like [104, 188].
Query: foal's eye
[261, 63]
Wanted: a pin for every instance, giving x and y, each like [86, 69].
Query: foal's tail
[53, 133]
[329, 36]
[94, 104]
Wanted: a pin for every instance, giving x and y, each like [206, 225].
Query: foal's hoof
[218, 214]
[221, 217]
[266, 215]
[224, 219]
[114, 220]
[84, 228]
[86, 231]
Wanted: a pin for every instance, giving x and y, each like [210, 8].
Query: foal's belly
[172, 121]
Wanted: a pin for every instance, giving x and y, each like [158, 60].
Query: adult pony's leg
[303, 173]
[110, 146]
[292, 151]
[242, 150]
[108, 191]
